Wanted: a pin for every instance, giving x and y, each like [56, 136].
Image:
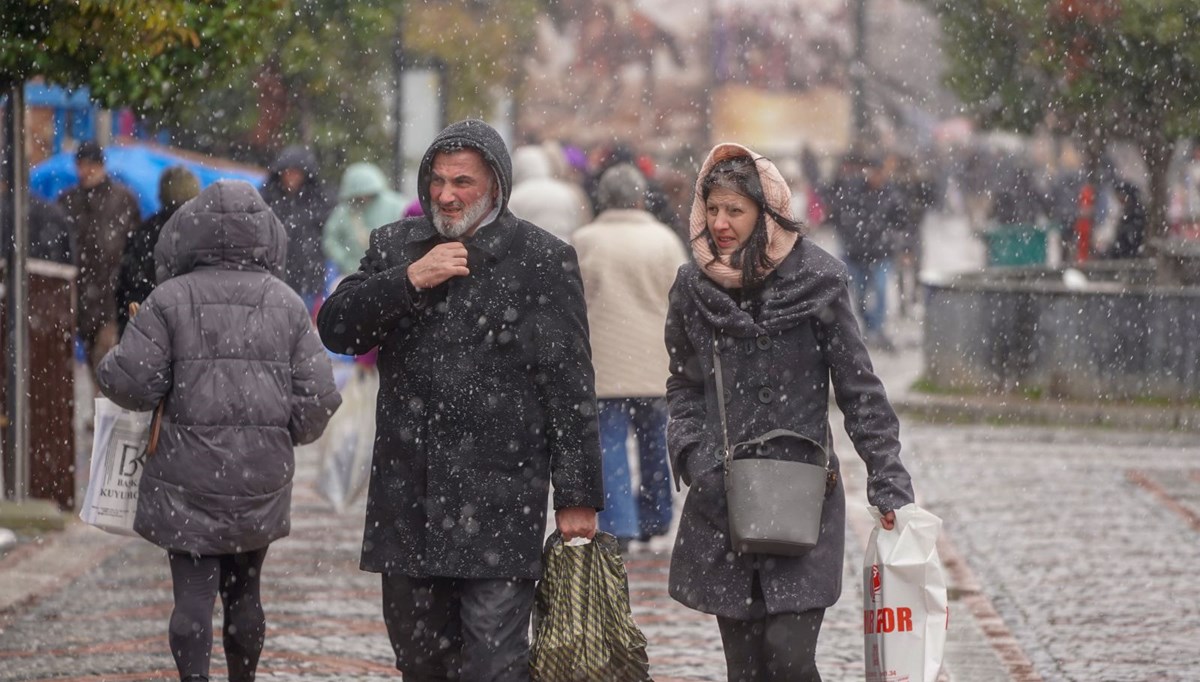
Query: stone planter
[1045, 332]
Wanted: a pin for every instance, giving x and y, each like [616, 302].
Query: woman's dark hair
[740, 175]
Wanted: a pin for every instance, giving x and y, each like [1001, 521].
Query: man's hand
[576, 522]
[440, 264]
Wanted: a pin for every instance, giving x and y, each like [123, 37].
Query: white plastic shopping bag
[905, 610]
[118, 459]
[348, 443]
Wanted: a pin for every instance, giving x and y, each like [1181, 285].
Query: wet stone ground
[1079, 550]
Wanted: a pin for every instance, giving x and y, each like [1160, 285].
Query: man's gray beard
[451, 229]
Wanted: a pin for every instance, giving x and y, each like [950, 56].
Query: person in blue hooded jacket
[365, 202]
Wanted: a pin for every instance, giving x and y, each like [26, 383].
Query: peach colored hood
[779, 198]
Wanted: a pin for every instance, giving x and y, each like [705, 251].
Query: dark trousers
[196, 581]
[458, 629]
[778, 648]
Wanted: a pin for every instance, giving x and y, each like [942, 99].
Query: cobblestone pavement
[1086, 542]
[1078, 549]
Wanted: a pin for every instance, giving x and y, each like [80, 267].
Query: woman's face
[731, 219]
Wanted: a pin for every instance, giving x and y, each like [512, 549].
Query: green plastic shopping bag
[582, 626]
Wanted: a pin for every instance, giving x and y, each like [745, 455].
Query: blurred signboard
[669, 75]
[781, 74]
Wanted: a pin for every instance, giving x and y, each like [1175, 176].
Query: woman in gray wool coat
[779, 310]
[231, 350]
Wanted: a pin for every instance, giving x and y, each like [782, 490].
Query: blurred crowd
[873, 204]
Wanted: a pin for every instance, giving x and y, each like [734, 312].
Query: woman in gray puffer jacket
[231, 350]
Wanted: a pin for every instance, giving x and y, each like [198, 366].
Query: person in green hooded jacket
[365, 202]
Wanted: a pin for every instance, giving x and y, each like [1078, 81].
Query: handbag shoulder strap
[726, 452]
[156, 421]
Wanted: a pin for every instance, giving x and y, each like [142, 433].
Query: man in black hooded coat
[486, 396]
[296, 194]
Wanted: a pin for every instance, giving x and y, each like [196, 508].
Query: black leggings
[196, 581]
[779, 648]
[771, 648]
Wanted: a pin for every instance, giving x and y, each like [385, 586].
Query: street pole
[398, 65]
[858, 75]
[709, 58]
[18, 295]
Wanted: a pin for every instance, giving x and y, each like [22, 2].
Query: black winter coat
[303, 214]
[486, 390]
[866, 219]
[136, 279]
[778, 369]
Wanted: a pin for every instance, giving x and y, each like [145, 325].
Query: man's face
[91, 173]
[291, 179]
[461, 191]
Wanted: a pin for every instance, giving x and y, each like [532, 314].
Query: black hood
[471, 134]
[295, 156]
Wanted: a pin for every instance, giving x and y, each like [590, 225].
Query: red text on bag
[887, 620]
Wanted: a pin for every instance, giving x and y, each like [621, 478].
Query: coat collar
[805, 282]
[494, 239]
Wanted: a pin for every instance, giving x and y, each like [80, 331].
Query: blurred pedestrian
[229, 351]
[486, 396]
[916, 196]
[1062, 194]
[296, 194]
[1017, 201]
[628, 260]
[865, 211]
[605, 156]
[778, 308]
[136, 280]
[539, 196]
[365, 202]
[1130, 239]
[101, 213]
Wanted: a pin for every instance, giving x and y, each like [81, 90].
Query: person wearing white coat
[628, 261]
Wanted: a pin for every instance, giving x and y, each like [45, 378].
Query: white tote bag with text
[118, 459]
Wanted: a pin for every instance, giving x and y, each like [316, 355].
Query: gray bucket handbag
[775, 498]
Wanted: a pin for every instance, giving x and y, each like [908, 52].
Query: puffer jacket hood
[295, 156]
[469, 134]
[361, 180]
[228, 226]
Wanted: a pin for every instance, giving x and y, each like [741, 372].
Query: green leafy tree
[148, 56]
[325, 67]
[1102, 69]
[243, 78]
[482, 43]
[328, 72]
